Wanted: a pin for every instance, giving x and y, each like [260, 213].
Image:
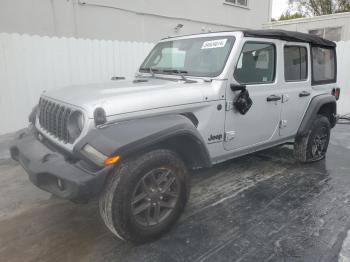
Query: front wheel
[145, 196]
[313, 146]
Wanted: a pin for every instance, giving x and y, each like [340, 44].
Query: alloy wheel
[319, 143]
[155, 196]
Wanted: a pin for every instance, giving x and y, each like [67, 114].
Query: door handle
[304, 93]
[272, 98]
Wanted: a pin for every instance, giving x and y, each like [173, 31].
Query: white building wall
[132, 20]
[304, 25]
[31, 64]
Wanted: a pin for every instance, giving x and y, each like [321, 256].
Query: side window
[256, 64]
[295, 63]
[323, 65]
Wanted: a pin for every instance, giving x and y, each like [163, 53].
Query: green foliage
[320, 7]
[288, 16]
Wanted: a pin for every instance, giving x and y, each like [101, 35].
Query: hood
[117, 97]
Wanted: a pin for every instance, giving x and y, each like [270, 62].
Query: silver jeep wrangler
[196, 101]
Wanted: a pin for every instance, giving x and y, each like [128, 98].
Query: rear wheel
[313, 146]
[145, 196]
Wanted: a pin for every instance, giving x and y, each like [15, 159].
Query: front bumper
[55, 172]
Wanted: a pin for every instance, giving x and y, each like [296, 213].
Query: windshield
[203, 57]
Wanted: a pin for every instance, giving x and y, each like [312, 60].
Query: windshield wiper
[181, 73]
[175, 71]
[151, 70]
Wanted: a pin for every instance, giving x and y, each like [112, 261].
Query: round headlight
[75, 125]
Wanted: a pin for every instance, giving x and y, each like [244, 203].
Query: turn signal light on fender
[111, 160]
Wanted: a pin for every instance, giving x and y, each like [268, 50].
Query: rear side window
[256, 64]
[295, 63]
[324, 67]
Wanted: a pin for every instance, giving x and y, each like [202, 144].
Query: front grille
[53, 118]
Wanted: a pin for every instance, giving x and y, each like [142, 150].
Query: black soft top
[289, 36]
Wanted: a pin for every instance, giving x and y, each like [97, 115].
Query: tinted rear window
[324, 67]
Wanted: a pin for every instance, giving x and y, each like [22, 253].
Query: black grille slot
[53, 118]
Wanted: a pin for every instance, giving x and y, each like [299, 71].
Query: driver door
[256, 69]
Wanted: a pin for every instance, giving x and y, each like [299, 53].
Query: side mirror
[235, 87]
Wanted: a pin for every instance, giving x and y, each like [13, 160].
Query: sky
[278, 7]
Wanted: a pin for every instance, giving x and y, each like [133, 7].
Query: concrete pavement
[261, 207]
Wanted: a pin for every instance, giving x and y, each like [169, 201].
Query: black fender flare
[129, 137]
[314, 107]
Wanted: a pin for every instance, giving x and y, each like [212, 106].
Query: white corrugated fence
[343, 57]
[31, 64]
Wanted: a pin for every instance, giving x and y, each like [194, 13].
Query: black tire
[313, 146]
[120, 202]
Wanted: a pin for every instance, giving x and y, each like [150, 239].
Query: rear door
[256, 69]
[296, 86]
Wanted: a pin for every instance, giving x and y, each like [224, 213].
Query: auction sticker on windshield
[214, 44]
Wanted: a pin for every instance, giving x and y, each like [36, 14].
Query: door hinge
[229, 135]
[228, 105]
[283, 123]
[285, 98]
